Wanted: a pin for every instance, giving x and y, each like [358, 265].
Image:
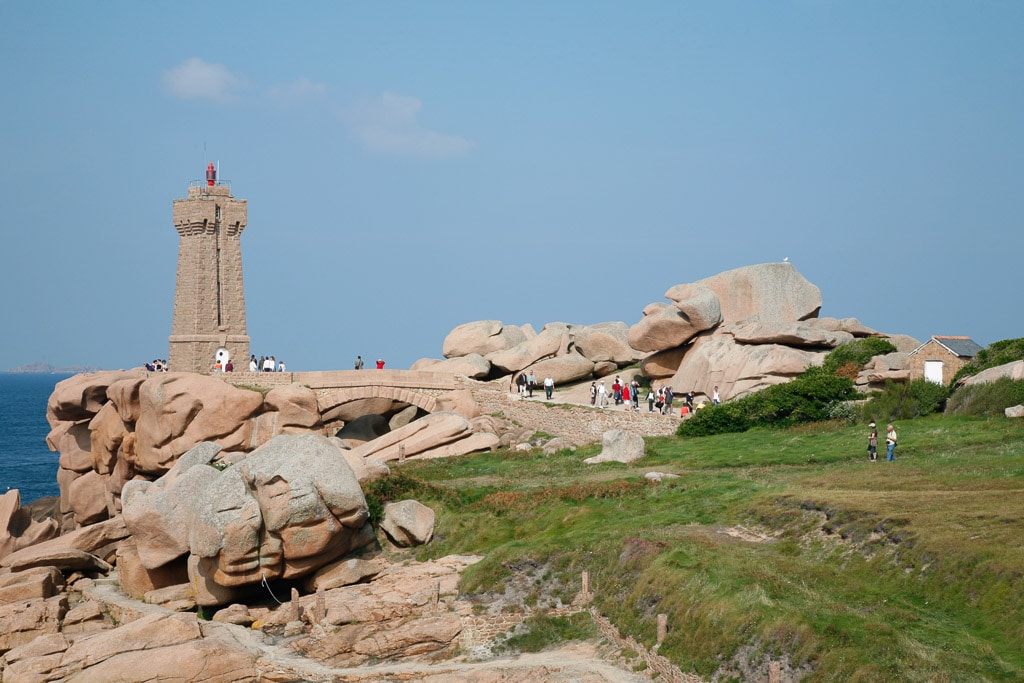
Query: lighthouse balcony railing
[204, 183]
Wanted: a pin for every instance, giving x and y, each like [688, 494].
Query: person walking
[359, 363]
[521, 384]
[531, 382]
[593, 393]
[715, 398]
[549, 387]
[668, 401]
[890, 442]
[602, 395]
[635, 386]
[650, 399]
[873, 443]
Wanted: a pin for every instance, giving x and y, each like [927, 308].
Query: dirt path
[574, 663]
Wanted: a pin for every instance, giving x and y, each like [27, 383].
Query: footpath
[569, 414]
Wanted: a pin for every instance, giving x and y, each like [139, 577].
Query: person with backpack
[873, 443]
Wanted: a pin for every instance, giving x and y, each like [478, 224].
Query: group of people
[157, 365]
[660, 399]
[890, 442]
[526, 382]
[264, 364]
[359, 363]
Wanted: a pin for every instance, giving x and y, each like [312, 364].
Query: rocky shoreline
[186, 496]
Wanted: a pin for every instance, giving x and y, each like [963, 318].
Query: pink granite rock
[408, 523]
[481, 337]
[157, 513]
[17, 528]
[694, 308]
[605, 342]
[768, 291]
[81, 396]
[738, 369]
[291, 507]
[179, 410]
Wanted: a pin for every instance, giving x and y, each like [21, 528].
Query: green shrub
[726, 418]
[808, 398]
[899, 401]
[857, 352]
[542, 631]
[399, 486]
[988, 400]
[843, 410]
[997, 353]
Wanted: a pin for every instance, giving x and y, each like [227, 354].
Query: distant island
[45, 368]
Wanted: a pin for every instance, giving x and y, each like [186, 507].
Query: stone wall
[666, 670]
[579, 424]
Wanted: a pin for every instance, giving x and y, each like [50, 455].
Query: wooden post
[585, 583]
[774, 672]
[662, 628]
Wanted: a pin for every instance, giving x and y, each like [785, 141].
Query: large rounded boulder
[694, 308]
[288, 509]
[179, 410]
[481, 337]
[773, 292]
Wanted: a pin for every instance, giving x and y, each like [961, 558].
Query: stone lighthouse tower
[209, 300]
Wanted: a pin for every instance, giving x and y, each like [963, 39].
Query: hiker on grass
[890, 442]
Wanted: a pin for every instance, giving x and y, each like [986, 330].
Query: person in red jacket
[380, 364]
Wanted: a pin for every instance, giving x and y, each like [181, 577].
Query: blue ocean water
[25, 461]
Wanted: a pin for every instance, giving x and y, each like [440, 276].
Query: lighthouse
[209, 297]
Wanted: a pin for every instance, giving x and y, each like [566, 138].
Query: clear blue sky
[411, 166]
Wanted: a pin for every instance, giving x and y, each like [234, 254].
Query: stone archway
[331, 401]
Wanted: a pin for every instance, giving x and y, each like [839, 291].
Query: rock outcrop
[1014, 371]
[565, 352]
[408, 523]
[289, 508]
[619, 445]
[17, 528]
[481, 337]
[115, 427]
[742, 331]
[440, 434]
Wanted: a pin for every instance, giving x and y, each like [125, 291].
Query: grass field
[788, 545]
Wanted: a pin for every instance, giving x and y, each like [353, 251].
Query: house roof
[961, 347]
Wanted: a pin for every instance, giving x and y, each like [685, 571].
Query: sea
[26, 463]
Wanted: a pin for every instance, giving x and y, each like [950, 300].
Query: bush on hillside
[899, 401]
[855, 354]
[989, 400]
[808, 398]
[998, 353]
